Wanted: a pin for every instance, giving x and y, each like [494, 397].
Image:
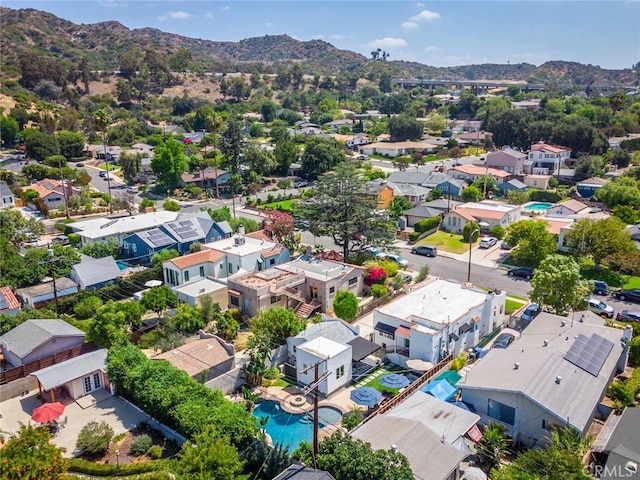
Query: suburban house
[36, 339]
[189, 268]
[178, 234]
[421, 212]
[486, 211]
[382, 191]
[357, 140]
[193, 292]
[395, 149]
[52, 192]
[92, 273]
[300, 472]
[443, 204]
[333, 360]
[541, 182]
[588, 188]
[515, 185]
[414, 193]
[528, 104]
[471, 138]
[7, 198]
[616, 450]
[469, 173]
[203, 359]
[9, 304]
[207, 178]
[37, 295]
[546, 159]
[439, 318]
[567, 208]
[555, 372]
[452, 187]
[335, 125]
[410, 178]
[76, 377]
[507, 159]
[332, 328]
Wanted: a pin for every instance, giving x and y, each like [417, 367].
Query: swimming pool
[122, 265]
[537, 206]
[292, 429]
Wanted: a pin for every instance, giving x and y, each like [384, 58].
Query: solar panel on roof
[189, 234]
[186, 223]
[589, 353]
[173, 225]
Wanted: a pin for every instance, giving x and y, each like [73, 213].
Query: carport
[362, 348]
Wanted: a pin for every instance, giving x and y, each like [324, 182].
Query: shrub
[468, 228]
[459, 362]
[74, 238]
[345, 305]
[140, 445]
[272, 373]
[86, 467]
[352, 419]
[423, 273]
[155, 452]
[427, 224]
[87, 307]
[413, 236]
[634, 351]
[378, 290]
[94, 438]
[171, 205]
[498, 232]
[390, 267]
[375, 275]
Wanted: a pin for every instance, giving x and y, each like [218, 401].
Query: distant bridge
[481, 86]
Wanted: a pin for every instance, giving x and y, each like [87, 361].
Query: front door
[91, 383]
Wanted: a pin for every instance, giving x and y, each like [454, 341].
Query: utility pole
[314, 386]
[50, 262]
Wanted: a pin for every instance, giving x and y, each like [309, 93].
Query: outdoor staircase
[305, 310]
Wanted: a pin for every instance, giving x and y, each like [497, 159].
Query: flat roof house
[36, 339]
[38, 295]
[332, 358]
[555, 373]
[439, 318]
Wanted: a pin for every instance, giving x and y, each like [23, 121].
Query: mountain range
[30, 30]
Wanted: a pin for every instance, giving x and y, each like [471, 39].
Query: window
[202, 270]
[407, 343]
[332, 290]
[353, 281]
[235, 301]
[502, 412]
[134, 247]
[230, 268]
[272, 261]
[186, 275]
[340, 371]
[220, 266]
[126, 246]
[274, 299]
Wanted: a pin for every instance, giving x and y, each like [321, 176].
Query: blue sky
[442, 33]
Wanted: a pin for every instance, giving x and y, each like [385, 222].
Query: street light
[118, 459]
[471, 234]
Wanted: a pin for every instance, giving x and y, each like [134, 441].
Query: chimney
[516, 365]
[558, 379]
[624, 357]
[546, 343]
[394, 448]
[563, 323]
[241, 230]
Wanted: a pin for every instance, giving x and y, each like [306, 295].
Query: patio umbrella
[419, 365]
[47, 412]
[394, 380]
[366, 396]
[153, 283]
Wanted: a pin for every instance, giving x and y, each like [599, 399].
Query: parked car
[631, 295]
[373, 250]
[488, 242]
[504, 340]
[598, 306]
[628, 316]
[300, 184]
[531, 312]
[406, 277]
[61, 240]
[132, 189]
[599, 287]
[103, 173]
[521, 272]
[79, 165]
[426, 250]
[396, 258]
[505, 246]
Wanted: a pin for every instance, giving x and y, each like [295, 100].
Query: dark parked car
[631, 295]
[628, 316]
[425, 250]
[521, 272]
[503, 340]
[79, 164]
[600, 288]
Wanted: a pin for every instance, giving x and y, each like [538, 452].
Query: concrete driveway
[115, 411]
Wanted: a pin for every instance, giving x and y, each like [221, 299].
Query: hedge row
[427, 224]
[79, 465]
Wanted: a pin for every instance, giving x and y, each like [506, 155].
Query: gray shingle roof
[443, 204]
[95, 270]
[5, 191]
[423, 211]
[76, 367]
[576, 396]
[408, 177]
[225, 227]
[300, 472]
[29, 335]
[429, 458]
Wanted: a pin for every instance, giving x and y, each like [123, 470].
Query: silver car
[599, 307]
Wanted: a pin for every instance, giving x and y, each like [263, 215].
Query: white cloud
[431, 48]
[425, 16]
[336, 36]
[318, 37]
[179, 15]
[226, 8]
[419, 4]
[268, 24]
[388, 42]
[208, 15]
[112, 4]
[409, 25]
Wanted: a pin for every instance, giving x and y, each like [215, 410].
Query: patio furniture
[47, 412]
[63, 422]
[366, 396]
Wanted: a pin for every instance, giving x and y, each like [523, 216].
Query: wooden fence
[25, 370]
[411, 389]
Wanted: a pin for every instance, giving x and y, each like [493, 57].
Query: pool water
[538, 206]
[122, 265]
[292, 429]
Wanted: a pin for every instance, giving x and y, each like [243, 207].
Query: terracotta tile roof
[475, 213]
[594, 181]
[260, 235]
[404, 331]
[554, 226]
[549, 148]
[478, 170]
[192, 259]
[463, 213]
[9, 298]
[196, 356]
[274, 251]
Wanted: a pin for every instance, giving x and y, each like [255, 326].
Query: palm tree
[49, 117]
[250, 399]
[215, 122]
[493, 444]
[101, 120]
[234, 182]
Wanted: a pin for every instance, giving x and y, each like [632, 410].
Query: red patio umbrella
[47, 412]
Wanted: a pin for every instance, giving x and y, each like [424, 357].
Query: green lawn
[449, 242]
[284, 205]
[512, 305]
[112, 168]
[632, 282]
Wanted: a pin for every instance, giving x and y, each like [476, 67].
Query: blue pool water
[538, 206]
[292, 429]
[122, 265]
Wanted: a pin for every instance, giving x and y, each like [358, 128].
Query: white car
[488, 242]
[599, 307]
[396, 258]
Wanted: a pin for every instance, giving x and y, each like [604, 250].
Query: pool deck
[287, 397]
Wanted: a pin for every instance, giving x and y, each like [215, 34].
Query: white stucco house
[333, 359]
[486, 212]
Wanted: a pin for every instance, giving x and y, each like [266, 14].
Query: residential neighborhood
[212, 269]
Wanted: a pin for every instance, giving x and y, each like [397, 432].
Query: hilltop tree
[341, 207]
[169, 162]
